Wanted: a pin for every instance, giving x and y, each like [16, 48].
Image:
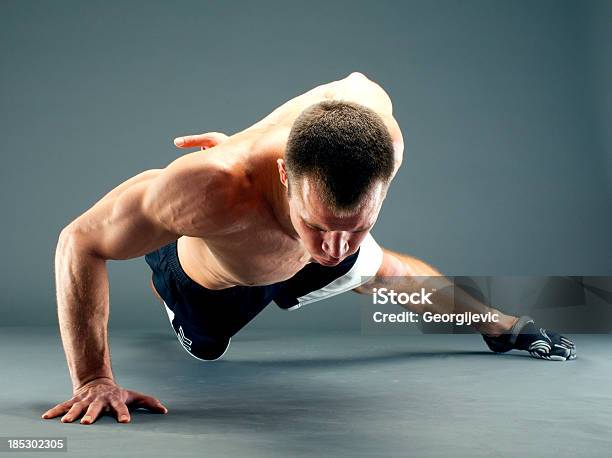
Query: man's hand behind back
[99, 396]
[202, 141]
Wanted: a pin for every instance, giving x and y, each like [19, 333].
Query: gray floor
[323, 395]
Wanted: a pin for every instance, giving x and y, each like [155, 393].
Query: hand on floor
[103, 395]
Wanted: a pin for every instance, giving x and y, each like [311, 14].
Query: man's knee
[208, 351]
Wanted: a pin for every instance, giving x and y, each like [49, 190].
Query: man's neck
[276, 196]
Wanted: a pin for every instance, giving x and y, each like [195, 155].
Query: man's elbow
[67, 235]
[72, 239]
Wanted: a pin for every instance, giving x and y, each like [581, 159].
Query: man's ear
[282, 172]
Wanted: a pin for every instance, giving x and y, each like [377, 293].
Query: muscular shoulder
[355, 87]
[358, 88]
[198, 195]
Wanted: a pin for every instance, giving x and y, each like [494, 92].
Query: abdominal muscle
[237, 266]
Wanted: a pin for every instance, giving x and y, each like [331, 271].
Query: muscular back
[216, 202]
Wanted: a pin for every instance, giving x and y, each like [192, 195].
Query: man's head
[338, 163]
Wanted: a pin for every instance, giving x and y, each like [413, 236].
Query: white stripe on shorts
[367, 264]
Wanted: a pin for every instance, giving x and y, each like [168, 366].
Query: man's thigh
[204, 320]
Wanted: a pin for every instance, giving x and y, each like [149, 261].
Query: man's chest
[260, 254]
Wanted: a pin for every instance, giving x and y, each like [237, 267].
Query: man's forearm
[82, 298]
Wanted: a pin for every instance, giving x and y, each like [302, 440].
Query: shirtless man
[278, 212]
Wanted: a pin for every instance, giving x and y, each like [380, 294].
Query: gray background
[506, 110]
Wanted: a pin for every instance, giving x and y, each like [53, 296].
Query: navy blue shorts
[204, 320]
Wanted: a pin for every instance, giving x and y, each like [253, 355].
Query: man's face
[328, 236]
